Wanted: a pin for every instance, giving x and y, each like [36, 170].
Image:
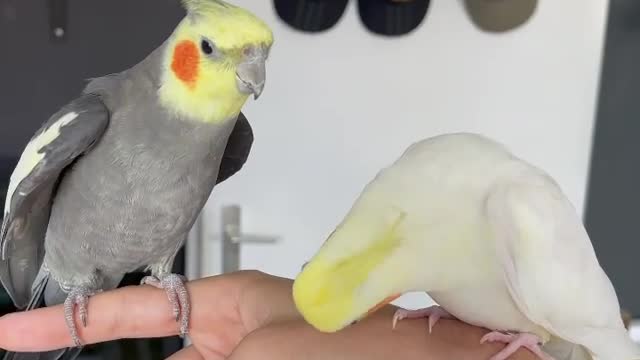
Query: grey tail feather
[4, 228]
[37, 291]
[37, 299]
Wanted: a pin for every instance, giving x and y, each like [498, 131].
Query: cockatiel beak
[251, 75]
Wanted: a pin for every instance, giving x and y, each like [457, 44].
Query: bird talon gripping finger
[433, 313]
[77, 298]
[173, 285]
[514, 342]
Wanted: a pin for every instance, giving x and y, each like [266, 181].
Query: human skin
[246, 315]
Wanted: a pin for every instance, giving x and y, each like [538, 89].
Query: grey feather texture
[26, 222]
[115, 188]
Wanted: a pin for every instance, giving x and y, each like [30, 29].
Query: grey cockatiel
[115, 179]
[492, 239]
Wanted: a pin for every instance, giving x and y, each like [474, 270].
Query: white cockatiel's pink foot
[514, 342]
[178, 296]
[434, 313]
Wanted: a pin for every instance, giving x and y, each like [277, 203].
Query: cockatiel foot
[77, 297]
[434, 313]
[178, 296]
[515, 341]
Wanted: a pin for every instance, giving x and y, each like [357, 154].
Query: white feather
[31, 155]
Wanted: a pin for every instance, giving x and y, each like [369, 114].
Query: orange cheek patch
[185, 62]
[382, 304]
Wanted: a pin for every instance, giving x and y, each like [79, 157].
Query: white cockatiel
[491, 238]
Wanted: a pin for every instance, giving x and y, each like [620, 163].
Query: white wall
[340, 105]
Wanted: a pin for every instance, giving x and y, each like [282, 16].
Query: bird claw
[434, 313]
[514, 342]
[173, 284]
[78, 297]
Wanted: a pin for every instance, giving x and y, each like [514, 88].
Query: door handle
[233, 237]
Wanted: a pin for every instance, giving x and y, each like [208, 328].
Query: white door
[340, 105]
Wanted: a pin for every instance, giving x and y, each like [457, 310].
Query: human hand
[224, 310]
[246, 315]
[372, 339]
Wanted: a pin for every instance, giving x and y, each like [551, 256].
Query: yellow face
[338, 287]
[214, 61]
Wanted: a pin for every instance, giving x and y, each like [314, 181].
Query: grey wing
[69, 133]
[237, 150]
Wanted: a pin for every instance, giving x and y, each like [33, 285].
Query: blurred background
[350, 85]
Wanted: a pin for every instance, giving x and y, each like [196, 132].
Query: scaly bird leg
[77, 297]
[173, 284]
[434, 313]
[514, 342]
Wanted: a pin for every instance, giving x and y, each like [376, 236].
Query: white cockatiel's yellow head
[214, 60]
[360, 267]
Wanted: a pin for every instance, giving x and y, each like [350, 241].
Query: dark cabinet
[38, 74]
[6, 166]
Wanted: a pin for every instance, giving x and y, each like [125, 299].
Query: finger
[188, 353]
[129, 312]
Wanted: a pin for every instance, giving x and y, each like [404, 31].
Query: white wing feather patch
[31, 155]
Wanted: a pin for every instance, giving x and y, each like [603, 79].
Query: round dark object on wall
[310, 15]
[392, 17]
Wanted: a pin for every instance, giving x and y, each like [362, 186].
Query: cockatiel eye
[207, 46]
